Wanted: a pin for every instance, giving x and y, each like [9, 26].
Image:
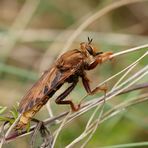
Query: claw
[109, 55]
[76, 108]
[104, 57]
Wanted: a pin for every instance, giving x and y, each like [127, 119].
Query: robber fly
[67, 68]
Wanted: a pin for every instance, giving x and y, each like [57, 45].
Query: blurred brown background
[29, 43]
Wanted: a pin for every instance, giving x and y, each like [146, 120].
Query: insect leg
[60, 98]
[45, 133]
[86, 84]
[99, 60]
[104, 57]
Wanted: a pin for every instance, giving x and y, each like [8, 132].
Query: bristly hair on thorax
[90, 40]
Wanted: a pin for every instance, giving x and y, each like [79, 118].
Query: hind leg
[45, 133]
[60, 99]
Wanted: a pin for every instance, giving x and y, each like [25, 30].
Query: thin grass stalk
[120, 108]
[110, 95]
[129, 50]
[20, 23]
[128, 67]
[94, 129]
[85, 132]
[124, 75]
[145, 69]
[59, 129]
[126, 103]
[96, 15]
[129, 145]
[83, 110]
[8, 131]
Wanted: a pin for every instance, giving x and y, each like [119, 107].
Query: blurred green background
[30, 42]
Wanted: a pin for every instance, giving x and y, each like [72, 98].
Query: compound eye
[90, 50]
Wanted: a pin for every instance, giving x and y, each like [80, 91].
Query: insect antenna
[89, 40]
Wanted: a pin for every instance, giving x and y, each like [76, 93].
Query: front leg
[104, 57]
[86, 84]
[60, 99]
[99, 59]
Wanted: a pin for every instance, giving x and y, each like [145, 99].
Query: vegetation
[33, 33]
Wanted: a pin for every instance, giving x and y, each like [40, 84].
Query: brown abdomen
[26, 116]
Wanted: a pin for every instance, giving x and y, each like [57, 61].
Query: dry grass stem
[96, 16]
[72, 36]
[8, 131]
[124, 75]
[129, 50]
[59, 129]
[126, 82]
[98, 101]
[91, 104]
[49, 35]
[49, 109]
[20, 23]
[125, 69]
